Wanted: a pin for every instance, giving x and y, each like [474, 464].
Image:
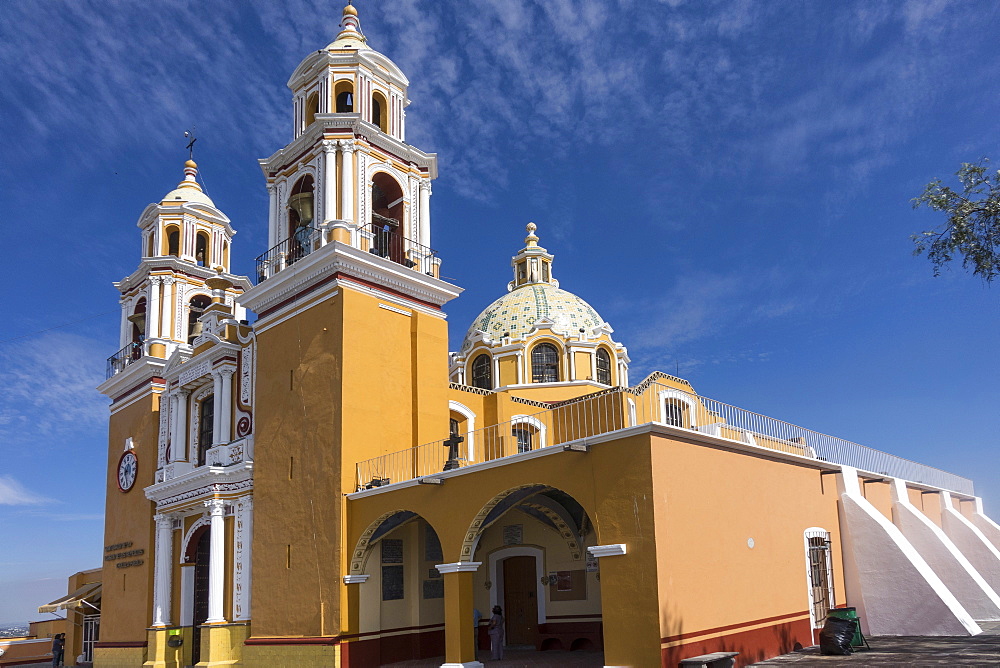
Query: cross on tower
[190, 146]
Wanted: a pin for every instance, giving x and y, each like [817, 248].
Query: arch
[150, 244]
[172, 241]
[202, 250]
[673, 406]
[602, 364]
[481, 372]
[545, 363]
[380, 111]
[189, 541]
[300, 205]
[495, 575]
[196, 306]
[311, 109]
[528, 422]
[225, 255]
[343, 95]
[470, 422]
[381, 526]
[138, 320]
[388, 200]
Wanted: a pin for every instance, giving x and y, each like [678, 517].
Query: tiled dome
[517, 311]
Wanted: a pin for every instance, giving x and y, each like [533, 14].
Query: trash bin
[852, 614]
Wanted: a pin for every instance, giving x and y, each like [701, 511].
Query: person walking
[58, 648]
[495, 629]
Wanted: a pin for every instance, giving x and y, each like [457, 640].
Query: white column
[225, 407]
[165, 304]
[126, 328]
[425, 213]
[163, 572]
[242, 558]
[178, 442]
[329, 180]
[272, 207]
[187, 595]
[153, 307]
[217, 408]
[347, 179]
[216, 560]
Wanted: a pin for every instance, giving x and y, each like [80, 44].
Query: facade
[330, 486]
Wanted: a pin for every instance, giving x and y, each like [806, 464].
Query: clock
[128, 467]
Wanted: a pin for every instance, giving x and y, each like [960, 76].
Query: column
[163, 566]
[347, 179]
[216, 560]
[224, 408]
[217, 408]
[329, 181]
[272, 207]
[125, 334]
[425, 213]
[242, 557]
[165, 305]
[459, 650]
[153, 307]
[178, 442]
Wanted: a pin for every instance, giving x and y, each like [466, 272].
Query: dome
[518, 311]
[188, 190]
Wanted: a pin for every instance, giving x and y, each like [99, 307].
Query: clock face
[128, 467]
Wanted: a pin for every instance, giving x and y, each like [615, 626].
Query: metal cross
[190, 146]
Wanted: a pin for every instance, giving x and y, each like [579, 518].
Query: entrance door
[520, 600]
[200, 593]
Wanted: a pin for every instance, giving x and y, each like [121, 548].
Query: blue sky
[727, 183]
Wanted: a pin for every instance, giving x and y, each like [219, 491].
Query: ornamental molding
[198, 486]
[601, 551]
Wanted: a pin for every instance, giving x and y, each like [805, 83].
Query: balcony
[380, 237]
[569, 423]
[132, 352]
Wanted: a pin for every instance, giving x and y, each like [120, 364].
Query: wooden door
[200, 593]
[520, 600]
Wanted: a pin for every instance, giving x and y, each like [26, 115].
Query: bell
[196, 329]
[302, 204]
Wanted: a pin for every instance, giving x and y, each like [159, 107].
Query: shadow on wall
[753, 645]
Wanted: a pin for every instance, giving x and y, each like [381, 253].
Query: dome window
[482, 376]
[545, 364]
[603, 367]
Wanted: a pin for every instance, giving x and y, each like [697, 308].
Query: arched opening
[173, 242]
[300, 217]
[196, 307]
[544, 363]
[312, 108]
[206, 427]
[603, 363]
[199, 551]
[225, 255]
[379, 109]
[138, 320]
[533, 541]
[150, 243]
[343, 93]
[387, 214]
[678, 409]
[482, 372]
[201, 249]
[398, 553]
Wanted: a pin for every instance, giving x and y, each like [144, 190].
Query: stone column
[165, 307]
[224, 408]
[153, 307]
[217, 408]
[329, 181]
[163, 569]
[125, 335]
[272, 208]
[459, 649]
[217, 560]
[425, 213]
[347, 179]
[178, 442]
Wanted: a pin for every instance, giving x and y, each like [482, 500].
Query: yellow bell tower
[352, 357]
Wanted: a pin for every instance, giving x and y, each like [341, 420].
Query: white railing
[618, 408]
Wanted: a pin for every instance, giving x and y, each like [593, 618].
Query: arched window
[173, 241]
[528, 432]
[196, 307]
[138, 320]
[201, 250]
[482, 375]
[206, 427]
[345, 102]
[673, 413]
[523, 436]
[378, 111]
[544, 364]
[603, 366]
[312, 108]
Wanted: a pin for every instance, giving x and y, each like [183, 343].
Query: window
[545, 364]
[673, 414]
[345, 102]
[201, 249]
[481, 372]
[206, 427]
[523, 435]
[173, 242]
[603, 366]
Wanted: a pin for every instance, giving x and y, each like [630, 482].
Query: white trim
[682, 397]
[497, 574]
[470, 418]
[538, 425]
[355, 579]
[395, 310]
[459, 567]
[614, 550]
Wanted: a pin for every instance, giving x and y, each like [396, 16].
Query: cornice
[136, 373]
[203, 480]
[175, 264]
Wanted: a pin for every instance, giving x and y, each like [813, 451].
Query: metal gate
[820, 567]
[91, 634]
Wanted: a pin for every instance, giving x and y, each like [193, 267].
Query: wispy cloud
[13, 493]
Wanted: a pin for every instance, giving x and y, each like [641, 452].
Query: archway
[387, 216]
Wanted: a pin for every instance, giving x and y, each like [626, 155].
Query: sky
[728, 183]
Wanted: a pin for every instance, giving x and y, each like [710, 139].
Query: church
[334, 483]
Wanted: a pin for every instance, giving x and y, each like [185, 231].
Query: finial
[350, 25]
[531, 240]
[349, 9]
[189, 134]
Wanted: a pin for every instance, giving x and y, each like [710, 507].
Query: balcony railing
[618, 408]
[305, 240]
[132, 352]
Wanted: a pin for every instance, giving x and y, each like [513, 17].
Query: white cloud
[13, 493]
